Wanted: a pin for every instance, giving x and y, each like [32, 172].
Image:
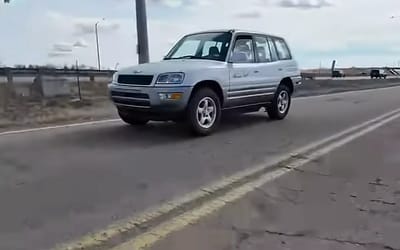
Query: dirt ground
[26, 112]
[33, 114]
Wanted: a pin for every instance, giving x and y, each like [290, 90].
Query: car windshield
[211, 46]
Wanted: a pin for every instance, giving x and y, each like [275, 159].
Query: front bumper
[147, 100]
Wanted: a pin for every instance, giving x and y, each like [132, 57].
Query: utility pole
[141, 26]
[97, 43]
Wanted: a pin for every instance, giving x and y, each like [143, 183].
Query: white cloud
[83, 27]
[169, 3]
[248, 14]
[59, 54]
[80, 25]
[81, 43]
[203, 2]
[62, 47]
[304, 4]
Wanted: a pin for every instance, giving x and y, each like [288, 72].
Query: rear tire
[280, 104]
[132, 119]
[204, 112]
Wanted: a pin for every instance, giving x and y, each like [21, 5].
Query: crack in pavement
[286, 198]
[310, 172]
[378, 182]
[293, 189]
[245, 235]
[384, 202]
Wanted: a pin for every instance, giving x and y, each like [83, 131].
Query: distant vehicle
[338, 73]
[206, 73]
[378, 74]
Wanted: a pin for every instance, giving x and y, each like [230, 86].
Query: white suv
[205, 74]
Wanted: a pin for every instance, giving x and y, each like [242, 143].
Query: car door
[242, 69]
[267, 67]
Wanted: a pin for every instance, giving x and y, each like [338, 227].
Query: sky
[352, 32]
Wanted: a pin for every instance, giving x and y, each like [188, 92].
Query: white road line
[149, 238]
[58, 126]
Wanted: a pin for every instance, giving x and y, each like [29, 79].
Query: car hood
[178, 65]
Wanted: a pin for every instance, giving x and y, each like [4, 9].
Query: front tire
[132, 119]
[280, 104]
[204, 112]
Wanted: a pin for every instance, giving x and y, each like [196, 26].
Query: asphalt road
[348, 199]
[56, 185]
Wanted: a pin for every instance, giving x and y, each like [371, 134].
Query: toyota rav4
[205, 74]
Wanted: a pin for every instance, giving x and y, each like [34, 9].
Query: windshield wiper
[184, 57]
[191, 57]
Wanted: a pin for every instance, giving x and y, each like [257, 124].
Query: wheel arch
[214, 85]
[287, 81]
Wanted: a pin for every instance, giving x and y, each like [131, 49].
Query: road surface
[348, 199]
[58, 184]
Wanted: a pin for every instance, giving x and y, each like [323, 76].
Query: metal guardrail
[47, 71]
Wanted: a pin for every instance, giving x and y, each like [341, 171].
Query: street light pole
[142, 37]
[97, 46]
[97, 43]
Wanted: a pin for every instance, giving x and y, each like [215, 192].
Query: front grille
[129, 94]
[130, 99]
[135, 79]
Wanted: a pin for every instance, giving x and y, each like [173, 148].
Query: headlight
[171, 78]
[115, 77]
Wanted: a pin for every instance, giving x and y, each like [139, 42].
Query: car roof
[236, 31]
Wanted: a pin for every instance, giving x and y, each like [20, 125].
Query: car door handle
[256, 71]
[280, 69]
[238, 75]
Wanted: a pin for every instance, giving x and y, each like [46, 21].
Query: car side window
[243, 50]
[282, 49]
[272, 49]
[262, 50]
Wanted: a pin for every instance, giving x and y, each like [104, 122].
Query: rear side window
[272, 48]
[262, 49]
[282, 49]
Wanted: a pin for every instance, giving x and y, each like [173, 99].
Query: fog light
[170, 96]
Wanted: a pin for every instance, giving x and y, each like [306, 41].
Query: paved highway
[58, 184]
[348, 199]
